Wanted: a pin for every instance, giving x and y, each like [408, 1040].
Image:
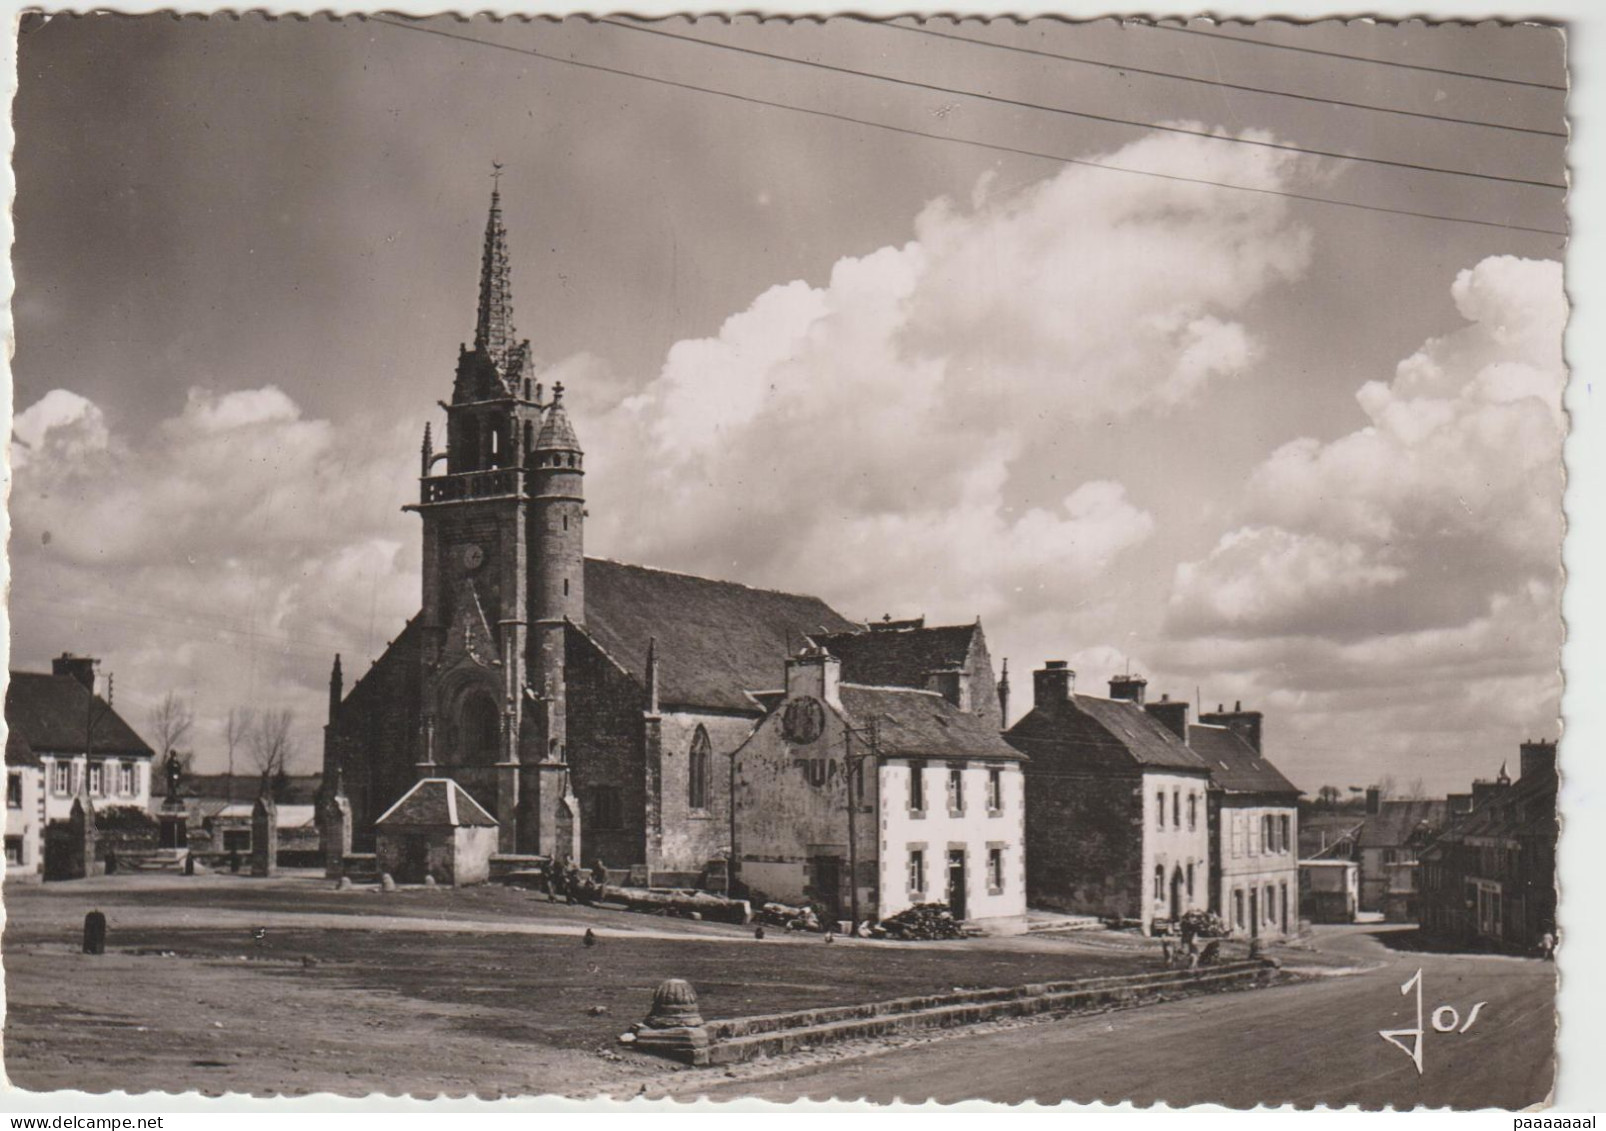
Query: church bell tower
[503, 573]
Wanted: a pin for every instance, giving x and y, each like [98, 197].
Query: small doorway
[1176, 895]
[957, 887]
[1254, 913]
[828, 884]
[414, 864]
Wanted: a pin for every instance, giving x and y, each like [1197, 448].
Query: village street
[1313, 1042]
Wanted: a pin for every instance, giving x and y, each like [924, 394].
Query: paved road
[1305, 1043]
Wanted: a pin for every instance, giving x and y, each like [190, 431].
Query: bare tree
[170, 721]
[272, 746]
[1417, 790]
[236, 731]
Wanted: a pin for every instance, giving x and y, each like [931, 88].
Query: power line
[1208, 135]
[993, 146]
[1125, 68]
[1356, 58]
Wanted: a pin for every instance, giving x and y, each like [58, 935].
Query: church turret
[557, 551]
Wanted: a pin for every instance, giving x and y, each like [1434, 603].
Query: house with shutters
[65, 742]
[1254, 827]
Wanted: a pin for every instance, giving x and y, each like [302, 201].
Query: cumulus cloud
[1448, 496]
[863, 437]
[1409, 568]
[225, 554]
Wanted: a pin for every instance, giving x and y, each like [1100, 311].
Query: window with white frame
[995, 869]
[995, 790]
[1286, 831]
[61, 777]
[956, 790]
[97, 779]
[14, 791]
[1159, 883]
[1237, 834]
[1176, 808]
[1159, 809]
[127, 782]
[917, 870]
[917, 788]
[1193, 811]
[1238, 908]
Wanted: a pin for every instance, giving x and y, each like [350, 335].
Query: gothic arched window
[529, 437]
[697, 770]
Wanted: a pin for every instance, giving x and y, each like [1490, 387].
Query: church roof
[53, 711]
[898, 657]
[436, 803]
[716, 640]
[922, 724]
[1234, 764]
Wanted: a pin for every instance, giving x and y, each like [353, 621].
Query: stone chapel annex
[587, 705]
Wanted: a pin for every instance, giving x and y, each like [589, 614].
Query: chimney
[953, 684]
[1130, 687]
[1171, 714]
[1459, 803]
[1052, 683]
[1538, 760]
[1245, 724]
[1374, 800]
[81, 668]
[816, 673]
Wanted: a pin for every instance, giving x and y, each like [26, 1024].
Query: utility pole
[852, 762]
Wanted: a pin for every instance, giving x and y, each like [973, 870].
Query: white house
[79, 740]
[896, 795]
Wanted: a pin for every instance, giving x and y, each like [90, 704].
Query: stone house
[1489, 877]
[1116, 803]
[897, 795]
[1254, 827]
[436, 831]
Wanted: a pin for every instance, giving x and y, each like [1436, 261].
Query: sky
[1300, 455]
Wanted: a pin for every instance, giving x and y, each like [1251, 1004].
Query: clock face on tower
[472, 557]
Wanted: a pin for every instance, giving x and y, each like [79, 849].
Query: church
[588, 706]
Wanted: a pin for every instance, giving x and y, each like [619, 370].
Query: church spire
[493, 332]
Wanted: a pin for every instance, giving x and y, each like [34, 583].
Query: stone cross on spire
[493, 332]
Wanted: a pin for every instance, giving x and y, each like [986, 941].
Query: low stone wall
[744, 1038]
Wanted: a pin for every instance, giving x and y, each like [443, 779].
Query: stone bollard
[344, 884]
[429, 881]
[386, 883]
[94, 933]
[674, 1026]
